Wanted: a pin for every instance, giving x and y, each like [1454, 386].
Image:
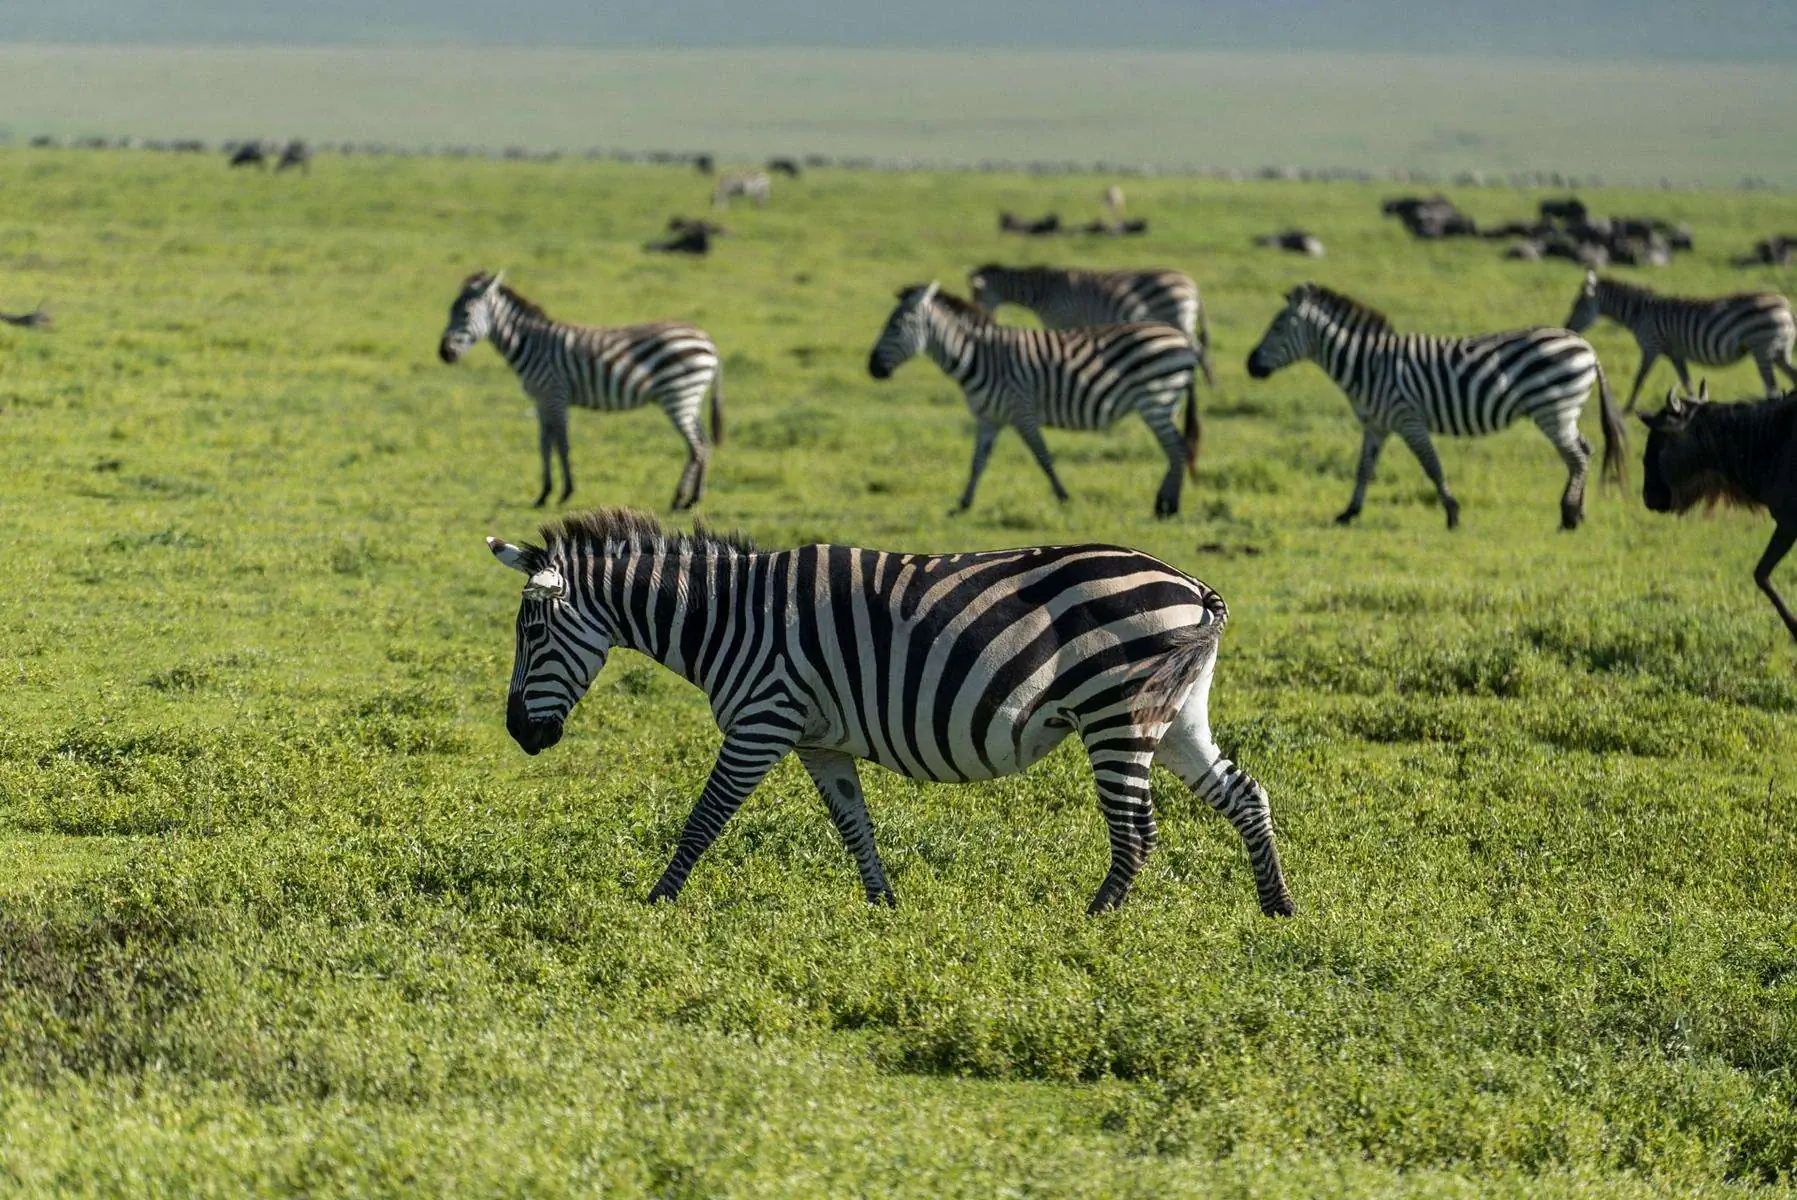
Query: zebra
[752, 185]
[1068, 299]
[952, 668]
[1064, 379]
[1711, 332]
[605, 367]
[1413, 385]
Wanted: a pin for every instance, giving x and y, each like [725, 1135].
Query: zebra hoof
[1279, 906]
[1346, 516]
[883, 899]
[1453, 515]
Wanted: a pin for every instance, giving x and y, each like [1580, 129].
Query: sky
[1741, 30]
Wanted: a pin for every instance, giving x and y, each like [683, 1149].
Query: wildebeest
[1779, 250]
[704, 163]
[686, 237]
[249, 154]
[1431, 217]
[788, 167]
[1295, 241]
[1129, 228]
[1571, 211]
[1011, 223]
[1743, 454]
[296, 154]
[37, 318]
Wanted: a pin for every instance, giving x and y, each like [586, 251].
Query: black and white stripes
[1060, 379]
[940, 667]
[1414, 385]
[612, 368]
[1712, 332]
[1063, 298]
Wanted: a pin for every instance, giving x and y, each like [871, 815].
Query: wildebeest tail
[1172, 675]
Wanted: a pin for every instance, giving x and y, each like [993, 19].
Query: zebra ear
[497, 280]
[929, 293]
[546, 584]
[518, 558]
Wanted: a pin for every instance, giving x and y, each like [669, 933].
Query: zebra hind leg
[698, 457]
[840, 785]
[1575, 452]
[1166, 500]
[1417, 438]
[1186, 749]
[1120, 768]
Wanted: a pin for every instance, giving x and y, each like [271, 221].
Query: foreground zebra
[1413, 385]
[610, 368]
[1068, 299]
[941, 667]
[1710, 332]
[1064, 379]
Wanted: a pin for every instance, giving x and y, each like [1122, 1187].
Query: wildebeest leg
[1782, 536]
[742, 763]
[1416, 436]
[1371, 442]
[1160, 423]
[1032, 437]
[837, 781]
[1187, 750]
[1120, 767]
[1648, 358]
[1575, 452]
[983, 438]
[692, 476]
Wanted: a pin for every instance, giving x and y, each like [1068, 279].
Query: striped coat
[942, 667]
[1062, 379]
[1712, 332]
[1064, 298]
[603, 367]
[1415, 385]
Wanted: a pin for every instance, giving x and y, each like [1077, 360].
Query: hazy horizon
[1751, 30]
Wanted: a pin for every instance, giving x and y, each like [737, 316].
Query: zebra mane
[965, 309]
[1627, 289]
[630, 529]
[529, 308]
[1344, 306]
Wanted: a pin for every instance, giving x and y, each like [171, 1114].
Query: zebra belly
[1040, 734]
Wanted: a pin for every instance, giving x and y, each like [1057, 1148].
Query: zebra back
[1710, 330]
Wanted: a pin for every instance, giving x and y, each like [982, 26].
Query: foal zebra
[1413, 385]
[1711, 332]
[752, 185]
[610, 368]
[941, 667]
[1068, 299]
[1064, 379]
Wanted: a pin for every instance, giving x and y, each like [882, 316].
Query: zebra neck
[513, 328]
[1623, 307]
[951, 346]
[1346, 355]
[686, 610]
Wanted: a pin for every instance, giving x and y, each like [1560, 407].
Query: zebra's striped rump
[950, 668]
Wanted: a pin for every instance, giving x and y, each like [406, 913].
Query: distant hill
[1675, 29]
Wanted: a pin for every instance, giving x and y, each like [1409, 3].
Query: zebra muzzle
[532, 735]
[448, 351]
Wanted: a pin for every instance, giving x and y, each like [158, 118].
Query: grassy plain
[282, 909]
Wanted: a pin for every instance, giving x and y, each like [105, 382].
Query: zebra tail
[1194, 429]
[1172, 675]
[717, 405]
[1210, 379]
[1616, 434]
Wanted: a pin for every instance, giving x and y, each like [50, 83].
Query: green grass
[282, 909]
[1639, 122]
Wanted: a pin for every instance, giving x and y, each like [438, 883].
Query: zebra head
[559, 652]
[983, 284]
[1675, 473]
[1288, 339]
[1585, 310]
[471, 316]
[907, 331]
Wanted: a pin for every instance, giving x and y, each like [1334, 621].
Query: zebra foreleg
[839, 784]
[983, 438]
[1032, 437]
[1417, 438]
[1648, 359]
[1371, 442]
[742, 764]
[1120, 768]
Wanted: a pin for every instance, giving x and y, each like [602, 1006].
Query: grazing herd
[971, 666]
